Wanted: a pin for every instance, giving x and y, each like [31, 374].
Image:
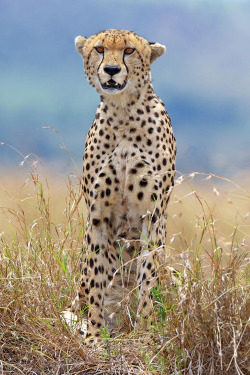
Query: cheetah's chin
[113, 85]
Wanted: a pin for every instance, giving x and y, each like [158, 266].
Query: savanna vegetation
[202, 322]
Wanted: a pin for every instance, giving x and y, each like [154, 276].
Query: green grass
[202, 321]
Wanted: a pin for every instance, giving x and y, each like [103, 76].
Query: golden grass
[202, 324]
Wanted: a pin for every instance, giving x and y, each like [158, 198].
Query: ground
[203, 325]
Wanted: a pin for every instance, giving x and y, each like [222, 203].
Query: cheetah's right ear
[79, 43]
[157, 50]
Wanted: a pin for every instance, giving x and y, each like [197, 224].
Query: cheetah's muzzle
[113, 85]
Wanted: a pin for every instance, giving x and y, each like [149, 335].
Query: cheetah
[128, 175]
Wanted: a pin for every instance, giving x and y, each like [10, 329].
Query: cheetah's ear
[157, 50]
[79, 43]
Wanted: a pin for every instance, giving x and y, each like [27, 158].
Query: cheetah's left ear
[79, 43]
[157, 50]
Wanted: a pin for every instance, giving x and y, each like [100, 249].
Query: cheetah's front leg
[94, 276]
[152, 250]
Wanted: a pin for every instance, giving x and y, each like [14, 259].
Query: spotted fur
[129, 168]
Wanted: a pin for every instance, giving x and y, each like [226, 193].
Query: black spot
[108, 181]
[88, 239]
[130, 249]
[96, 222]
[133, 171]
[143, 183]
[140, 195]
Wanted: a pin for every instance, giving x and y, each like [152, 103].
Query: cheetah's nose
[112, 69]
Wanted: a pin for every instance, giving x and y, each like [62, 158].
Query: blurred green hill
[203, 78]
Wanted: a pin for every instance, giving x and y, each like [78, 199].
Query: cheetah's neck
[127, 101]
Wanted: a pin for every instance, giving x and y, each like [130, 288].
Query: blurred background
[204, 77]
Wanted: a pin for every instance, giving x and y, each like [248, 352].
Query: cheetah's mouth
[113, 85]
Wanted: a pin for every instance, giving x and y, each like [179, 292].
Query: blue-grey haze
[204, 77]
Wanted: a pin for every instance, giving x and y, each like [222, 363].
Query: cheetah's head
[118, 60]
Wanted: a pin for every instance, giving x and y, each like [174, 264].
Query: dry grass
[202, 324]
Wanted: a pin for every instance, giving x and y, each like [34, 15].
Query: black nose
[112, 70]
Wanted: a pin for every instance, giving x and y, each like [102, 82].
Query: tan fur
[129, 167]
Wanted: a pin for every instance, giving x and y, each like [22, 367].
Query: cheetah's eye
[99, 49]
[129, 51]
